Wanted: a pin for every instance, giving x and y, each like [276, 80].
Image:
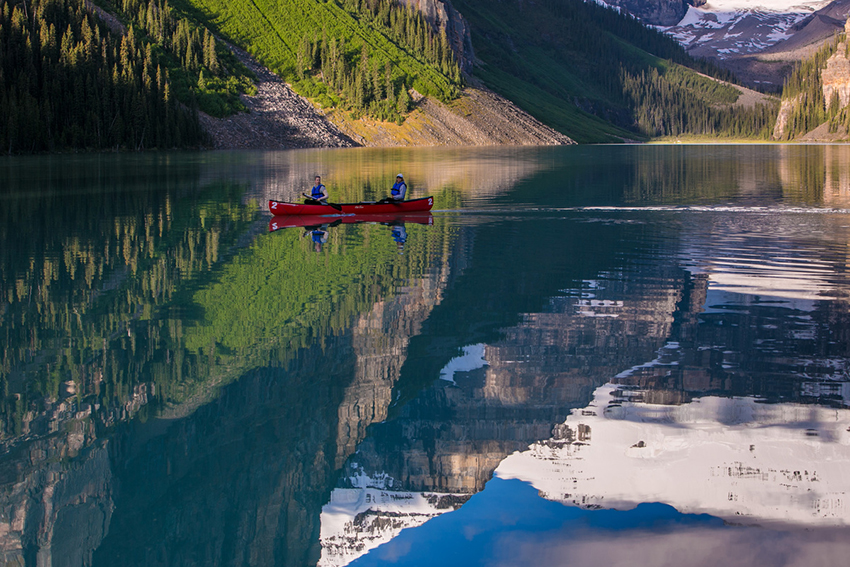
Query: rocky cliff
[52, 512]
[835, 84]
[836, 76]
[443, 16]
[786, 109]
[655, 12]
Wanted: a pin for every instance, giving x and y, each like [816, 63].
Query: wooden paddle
[333, 205]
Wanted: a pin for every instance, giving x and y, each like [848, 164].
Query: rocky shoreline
[278, 118]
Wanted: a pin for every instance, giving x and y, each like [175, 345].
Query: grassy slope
[538, 80]
[521, 63]
[272, 30]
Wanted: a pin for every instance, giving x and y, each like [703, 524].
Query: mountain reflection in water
[637, 329]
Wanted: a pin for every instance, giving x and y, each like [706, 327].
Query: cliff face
[836, 77]
[453, 435]
[786, 109]
[835, 83]
[443, 16]
[451, 438]
[655, 12]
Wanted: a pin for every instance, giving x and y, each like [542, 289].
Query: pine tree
[403, 105]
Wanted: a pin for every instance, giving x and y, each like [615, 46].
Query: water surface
[587, 355]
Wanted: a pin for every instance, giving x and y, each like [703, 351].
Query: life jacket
[399, 234]
[317, 191]
[398, 190]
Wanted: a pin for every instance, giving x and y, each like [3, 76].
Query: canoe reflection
[310, 221]
[318, 226]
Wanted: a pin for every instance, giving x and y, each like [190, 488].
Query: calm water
[585, 356]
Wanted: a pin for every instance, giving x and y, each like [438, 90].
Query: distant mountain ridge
[758, 41]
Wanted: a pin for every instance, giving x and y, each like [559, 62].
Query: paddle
[333, 205]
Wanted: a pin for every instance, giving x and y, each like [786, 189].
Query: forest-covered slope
[361, 55]
[811, 96]
[587, 71]
[68, 81]
[592, 73]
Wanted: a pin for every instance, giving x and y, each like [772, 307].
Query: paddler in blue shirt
[318, 194]
[397, 192]
[399, 189]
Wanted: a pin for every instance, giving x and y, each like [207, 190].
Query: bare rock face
[835, 81]
[836, 76]
[56, 514]
[655, 12]
[786, 109]
[444, 16]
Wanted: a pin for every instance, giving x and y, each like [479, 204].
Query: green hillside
[598, 76]
[588, 71]
[360, 55]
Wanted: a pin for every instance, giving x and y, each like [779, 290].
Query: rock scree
[278, 118]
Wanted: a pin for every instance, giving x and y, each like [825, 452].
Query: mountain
[588, 72]
[760, 42]
[816, 96]
[599, 75]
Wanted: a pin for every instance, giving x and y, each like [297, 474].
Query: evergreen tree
[403, 105]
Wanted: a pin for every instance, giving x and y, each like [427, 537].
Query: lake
[588, 355]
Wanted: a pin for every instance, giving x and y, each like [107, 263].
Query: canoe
[282, 208]
[307, 221]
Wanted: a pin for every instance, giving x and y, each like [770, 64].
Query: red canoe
[281, 208]
[291, 221]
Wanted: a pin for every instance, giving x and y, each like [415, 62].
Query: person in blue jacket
[318, 194]
[398, 190]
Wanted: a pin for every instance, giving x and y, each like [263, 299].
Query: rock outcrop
[786, 109]
[56, 513]
[836, 76]
[277, 118]
[654, 12]
[442, 15]
[835, 82]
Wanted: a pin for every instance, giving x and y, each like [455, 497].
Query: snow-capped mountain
[726, 28]
[756, 39]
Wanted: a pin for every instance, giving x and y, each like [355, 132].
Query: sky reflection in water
[509, 524]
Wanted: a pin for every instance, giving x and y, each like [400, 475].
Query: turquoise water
[587, 355]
